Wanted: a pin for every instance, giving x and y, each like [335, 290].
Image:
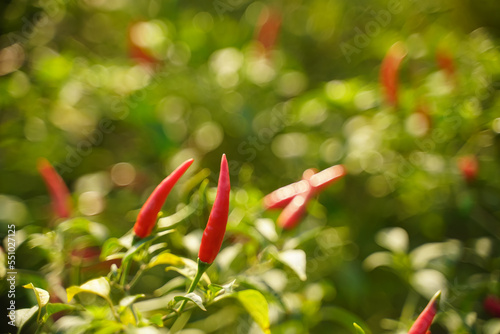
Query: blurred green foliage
[117, 93]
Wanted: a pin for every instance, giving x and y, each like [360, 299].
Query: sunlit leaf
[378, 259]
[394, 239]
[428, 281]
[256, 305]
[42, 297]
[176, 218]
[166, 258]
[193, 297]
[99, 286]
[156, 319]
[295, 259]
[129, 300]
[127, 317]
[25, 314]
[267, 228]
[422, 255]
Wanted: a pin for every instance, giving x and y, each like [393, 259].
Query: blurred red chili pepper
[424, 320]
[492, 305]
[446, 63]
[293, 212]
[294, 197]
[59, 193]
[213, 235]
[469, 167]
[389, 71]
[146, 219]
[138, 52]
[323, 179]
[283, 196]
[268, 28]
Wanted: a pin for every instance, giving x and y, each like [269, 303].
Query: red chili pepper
[295, 197]
[293, 212]
[469, 167]
[268, 28]
[446, 63]
[213, 235]
[281, 197]
[323, 179]
[389, 72]
[59, 193]
[424, 320]
[492, 305]
[137, 52]
[146, 219]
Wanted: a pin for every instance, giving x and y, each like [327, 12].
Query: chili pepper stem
[202, 267]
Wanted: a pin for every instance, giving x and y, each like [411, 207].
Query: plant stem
[124, 273]
[202, 267]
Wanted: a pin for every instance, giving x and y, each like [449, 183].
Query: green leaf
[129, 300]
[189, 267]
[156, 319]
[109, 327]
[52, 308]
[378, 259]
[181, 321]
[99, 286]
[42, 297]
[140, 244]
[193, 297]
[358, 329]
[167, 258]
[295, 259]
[111, 248]
[176, 218]
[256, 305]
[267, 228]
[344, 318]
[23, 315]
[82, 225]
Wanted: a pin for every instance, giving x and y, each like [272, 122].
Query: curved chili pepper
[389, 72]
[146, 219]
[59, 193]
[213, 235]
[323, 179]
[315, 183]
[268, 28]
[281, 197]
[424, 320]
[293, 212]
